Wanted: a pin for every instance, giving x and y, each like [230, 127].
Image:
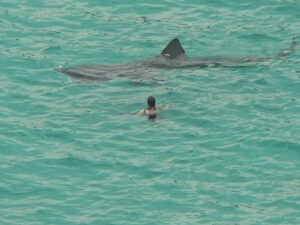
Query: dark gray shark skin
[172, 57]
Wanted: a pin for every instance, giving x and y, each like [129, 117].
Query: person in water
[152, 111]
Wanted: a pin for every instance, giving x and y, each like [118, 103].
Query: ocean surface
[71, 151]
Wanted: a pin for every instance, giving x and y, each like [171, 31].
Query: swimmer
[152, 112]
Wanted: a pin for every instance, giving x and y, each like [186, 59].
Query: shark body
[173, 56]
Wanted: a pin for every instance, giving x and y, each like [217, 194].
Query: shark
[173, 56]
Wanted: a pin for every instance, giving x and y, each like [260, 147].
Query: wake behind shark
[172, 57]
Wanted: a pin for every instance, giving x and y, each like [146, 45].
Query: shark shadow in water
[172, 57]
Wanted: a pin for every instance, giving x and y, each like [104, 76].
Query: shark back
[173, 49]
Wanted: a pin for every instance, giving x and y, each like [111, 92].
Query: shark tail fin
[173, 49]
[289, 50]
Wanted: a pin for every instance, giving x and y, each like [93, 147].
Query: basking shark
[172, 57]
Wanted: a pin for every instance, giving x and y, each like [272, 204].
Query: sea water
[227, 152]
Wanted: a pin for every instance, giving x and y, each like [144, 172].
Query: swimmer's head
[151, 101]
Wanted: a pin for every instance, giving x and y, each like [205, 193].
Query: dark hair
[151, 101]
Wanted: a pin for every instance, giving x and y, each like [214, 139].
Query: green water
[227, 152]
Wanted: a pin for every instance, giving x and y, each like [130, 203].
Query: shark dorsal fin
[173, 49]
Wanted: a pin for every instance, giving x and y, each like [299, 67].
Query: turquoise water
[227, 152]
